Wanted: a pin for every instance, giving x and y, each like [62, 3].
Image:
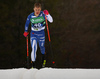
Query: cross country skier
[37, 35]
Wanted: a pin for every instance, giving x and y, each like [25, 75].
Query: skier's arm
[26, 26]
[27, 23]
[49, 17]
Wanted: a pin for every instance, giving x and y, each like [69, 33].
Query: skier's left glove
[46, 12]
[25, 34]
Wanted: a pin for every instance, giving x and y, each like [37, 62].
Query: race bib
[37, 20]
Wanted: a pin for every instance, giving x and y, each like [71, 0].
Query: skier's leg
[42, 48]
[34, 49]
[41, 44]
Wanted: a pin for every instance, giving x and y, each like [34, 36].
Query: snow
[49, 73]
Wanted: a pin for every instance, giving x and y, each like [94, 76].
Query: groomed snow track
[49, 73]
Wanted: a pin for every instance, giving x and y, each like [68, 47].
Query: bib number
[37, 25]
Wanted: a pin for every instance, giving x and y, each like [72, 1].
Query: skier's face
[37, 11]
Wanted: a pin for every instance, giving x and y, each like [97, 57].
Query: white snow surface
[49, 73]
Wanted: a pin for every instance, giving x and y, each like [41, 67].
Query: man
[37, 35]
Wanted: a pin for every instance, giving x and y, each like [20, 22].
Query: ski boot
[43, 65]
[43, 60]
[33, 64]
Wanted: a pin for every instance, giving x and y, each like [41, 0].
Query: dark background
[75, 33]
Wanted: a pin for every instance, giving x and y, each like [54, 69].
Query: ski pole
[49, 39]
[27, 53]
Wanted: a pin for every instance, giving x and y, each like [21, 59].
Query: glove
[25, 34]
[46, 12]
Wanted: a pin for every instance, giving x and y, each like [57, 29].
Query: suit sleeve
[49, 18]
[27, 23]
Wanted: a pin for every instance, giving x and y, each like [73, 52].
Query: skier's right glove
[25, 34]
